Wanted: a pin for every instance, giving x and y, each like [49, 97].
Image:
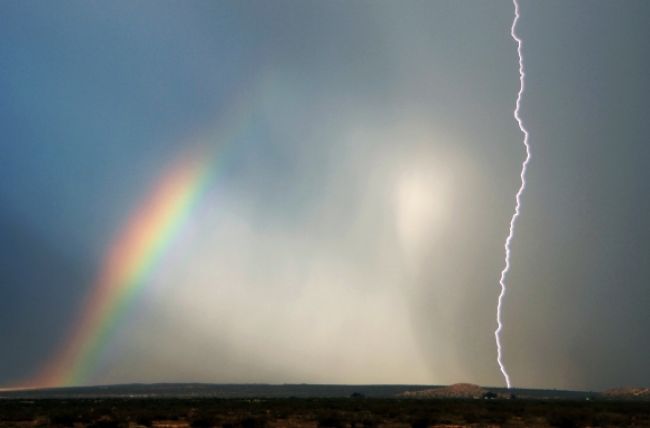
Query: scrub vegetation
[354, 412]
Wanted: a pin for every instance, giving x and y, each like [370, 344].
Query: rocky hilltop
[628, 393]
[458, 390]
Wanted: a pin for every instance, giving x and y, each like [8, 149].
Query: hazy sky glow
[363, 165]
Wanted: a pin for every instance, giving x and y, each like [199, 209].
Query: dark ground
[321, 412]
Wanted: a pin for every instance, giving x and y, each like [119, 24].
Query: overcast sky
[352, 230]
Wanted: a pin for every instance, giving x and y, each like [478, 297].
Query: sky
[341, 218]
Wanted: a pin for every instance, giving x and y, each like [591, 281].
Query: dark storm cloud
[41, 291]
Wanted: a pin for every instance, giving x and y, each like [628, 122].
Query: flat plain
[357, 412]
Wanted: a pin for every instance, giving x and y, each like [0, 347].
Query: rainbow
[126, 268]
[143, 240]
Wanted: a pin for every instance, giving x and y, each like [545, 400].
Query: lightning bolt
[522, 187]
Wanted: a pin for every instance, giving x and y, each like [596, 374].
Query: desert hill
[627, 393]
[458, 390]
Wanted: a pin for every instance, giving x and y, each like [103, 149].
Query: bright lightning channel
[522, 187]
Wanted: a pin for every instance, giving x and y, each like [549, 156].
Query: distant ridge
[189, 390]
[259, 390]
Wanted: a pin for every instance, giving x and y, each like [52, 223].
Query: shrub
[330, 421]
